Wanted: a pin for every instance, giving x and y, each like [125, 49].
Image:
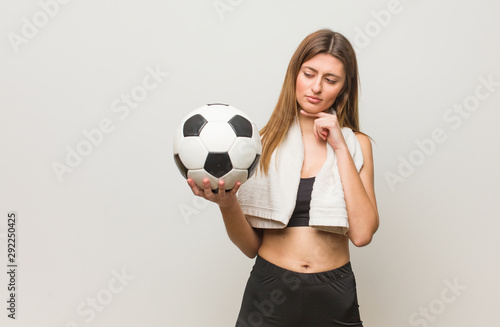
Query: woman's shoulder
[360, 135]
[363, 139]
[365, 143]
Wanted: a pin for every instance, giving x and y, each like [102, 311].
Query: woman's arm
[359, 193]
[244, 236]
[240, 232]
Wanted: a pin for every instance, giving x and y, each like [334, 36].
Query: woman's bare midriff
[304, 249]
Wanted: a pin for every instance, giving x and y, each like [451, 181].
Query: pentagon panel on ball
[218, 142]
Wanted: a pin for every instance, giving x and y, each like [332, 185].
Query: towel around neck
[268, 201]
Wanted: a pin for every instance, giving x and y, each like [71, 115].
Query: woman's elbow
[251, 253]
[252, 250]
[361, 241]
[364, 238]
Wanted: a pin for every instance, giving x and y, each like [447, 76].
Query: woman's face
[319, 82]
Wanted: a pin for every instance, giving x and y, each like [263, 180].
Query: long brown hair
[345, 105]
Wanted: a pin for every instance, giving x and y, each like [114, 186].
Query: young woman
[302, 275]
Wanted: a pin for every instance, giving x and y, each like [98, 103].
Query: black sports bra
[300, 215]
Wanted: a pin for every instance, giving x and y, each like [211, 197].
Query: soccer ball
[218, 142]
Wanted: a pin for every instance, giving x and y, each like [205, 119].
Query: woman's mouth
[313, 99]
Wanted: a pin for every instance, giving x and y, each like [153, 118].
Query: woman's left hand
[327, 127]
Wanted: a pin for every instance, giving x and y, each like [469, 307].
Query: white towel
[269, 201]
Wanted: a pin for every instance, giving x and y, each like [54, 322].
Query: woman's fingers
[318, 129]
[315, 128]
[222, 190]
[323, 126]
[236, 188]
[322, 123]
[194, 188]
[207, 190]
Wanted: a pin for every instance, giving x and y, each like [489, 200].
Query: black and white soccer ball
[218, 142]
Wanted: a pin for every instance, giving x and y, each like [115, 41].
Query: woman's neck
[306, 124]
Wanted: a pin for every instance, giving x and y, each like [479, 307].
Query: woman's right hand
[223, 198]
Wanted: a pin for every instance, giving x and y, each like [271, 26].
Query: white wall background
[125, 209]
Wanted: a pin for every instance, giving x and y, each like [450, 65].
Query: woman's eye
[331, 81]
[307, 74]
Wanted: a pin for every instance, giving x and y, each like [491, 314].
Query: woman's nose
[316, 86]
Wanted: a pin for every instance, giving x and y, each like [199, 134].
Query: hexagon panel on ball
[192, 153]
[217, 137]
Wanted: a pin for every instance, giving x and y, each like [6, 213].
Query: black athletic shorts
[275, 296]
